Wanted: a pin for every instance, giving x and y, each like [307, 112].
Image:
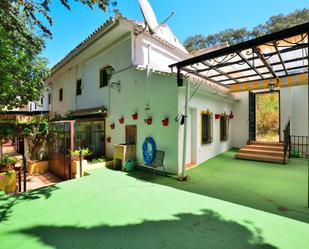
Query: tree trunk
[1, 152]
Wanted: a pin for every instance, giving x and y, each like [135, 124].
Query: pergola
[275, 60]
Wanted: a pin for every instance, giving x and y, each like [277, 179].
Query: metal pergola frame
[248, 53]
[237, 65]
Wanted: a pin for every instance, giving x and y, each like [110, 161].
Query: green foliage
[35, 131]
[7, 164]
[98, 160]
[267, 111]
[83, 152]
[234, 36]
[6, 160]
[22, 70]
[38, 12]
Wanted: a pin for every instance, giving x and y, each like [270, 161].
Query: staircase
[262, 151]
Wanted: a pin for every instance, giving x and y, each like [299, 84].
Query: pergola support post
[308, 110]
[184, 151]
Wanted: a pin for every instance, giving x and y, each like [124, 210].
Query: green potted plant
[7, 163]
[79, 158]
[8, 174]
[36, 133]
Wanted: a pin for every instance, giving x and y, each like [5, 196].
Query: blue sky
[192, 17]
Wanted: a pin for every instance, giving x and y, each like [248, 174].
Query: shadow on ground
[275, 188]
[8, 202]
[206, 230]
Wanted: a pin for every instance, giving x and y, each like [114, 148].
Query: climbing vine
[36, 131]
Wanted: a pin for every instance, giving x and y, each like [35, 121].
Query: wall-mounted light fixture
[271, 85]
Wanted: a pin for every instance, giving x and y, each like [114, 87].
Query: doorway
[264, 116]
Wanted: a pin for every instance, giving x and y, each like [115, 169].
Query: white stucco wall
[163, 103]
[196, 152]
[240, 127]
[37, 106]
[299, 124]
[119, 57]
[148, 50]
[67, 82]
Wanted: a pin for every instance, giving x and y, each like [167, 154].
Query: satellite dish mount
[150, 18]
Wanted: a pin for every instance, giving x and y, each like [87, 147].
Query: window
[60, 94]
[78, 87]
[49, 98]
[41, 101]
[90, 134]
[224, 128]
[105, 75]
[206, 127]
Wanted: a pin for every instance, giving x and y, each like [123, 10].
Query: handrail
[287, 140]
[299, 146]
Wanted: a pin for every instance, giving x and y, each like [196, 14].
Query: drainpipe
[184, 151]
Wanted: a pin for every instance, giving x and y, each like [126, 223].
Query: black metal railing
[299, 146]
[287, 140]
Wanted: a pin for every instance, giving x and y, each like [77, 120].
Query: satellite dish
[149, 15]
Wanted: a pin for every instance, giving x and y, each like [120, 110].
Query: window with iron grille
[60, 94]
[78, 87]
[105, 75]
[206, 127]
[224, 128]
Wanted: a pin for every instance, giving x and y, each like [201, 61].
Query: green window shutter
[211, 128]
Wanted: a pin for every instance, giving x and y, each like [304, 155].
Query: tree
[22, 33]
[234, 36]
[35, 11]
[22, 70]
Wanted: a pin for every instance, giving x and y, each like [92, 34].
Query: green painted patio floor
[276, 188]
[113, 210]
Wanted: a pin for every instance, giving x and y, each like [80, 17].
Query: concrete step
[279, 144]
[264, 147]
[262, 152]
[257, 157]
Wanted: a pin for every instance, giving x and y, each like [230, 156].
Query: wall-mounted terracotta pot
[108, 139]
[134, 116]
[121, 120]
[148, 121]
[112, 126]
[165, 122]
[231, 116]
[217, 116]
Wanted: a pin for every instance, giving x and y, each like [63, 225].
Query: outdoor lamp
[271, 86]
[109, 70]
